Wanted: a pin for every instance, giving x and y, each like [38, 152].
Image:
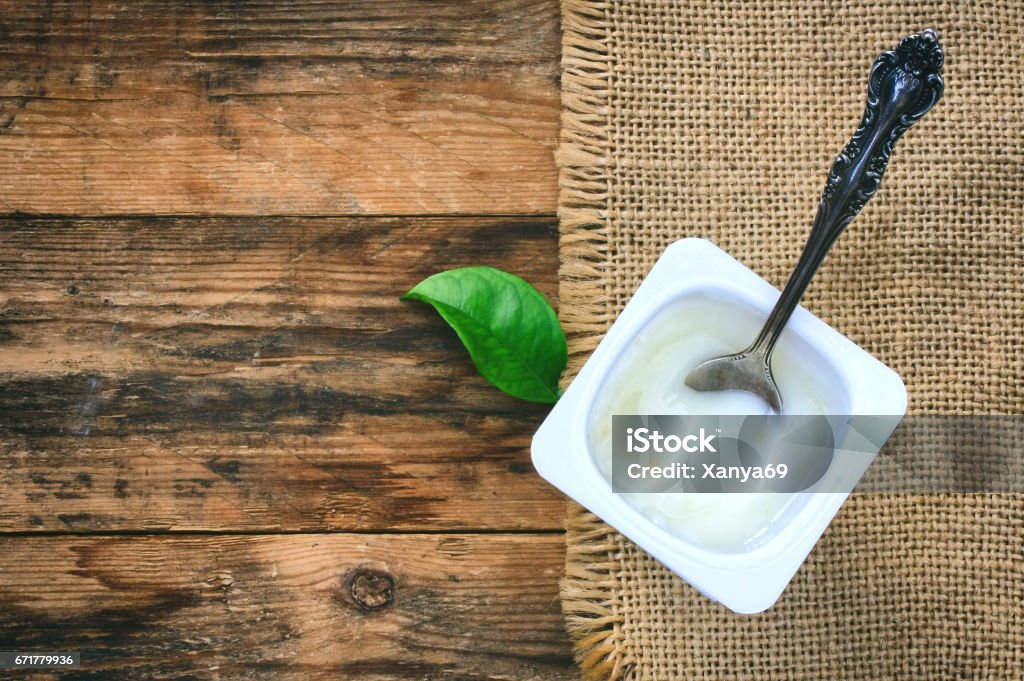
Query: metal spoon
[904, 84]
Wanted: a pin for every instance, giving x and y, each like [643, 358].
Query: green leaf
[509, 328]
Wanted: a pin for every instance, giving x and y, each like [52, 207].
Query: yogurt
[698, 302]
[648, 377]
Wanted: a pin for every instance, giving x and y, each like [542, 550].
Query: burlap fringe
[592, 620]
[583, 179]
[591, 617]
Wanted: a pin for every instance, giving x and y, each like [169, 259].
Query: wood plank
[257, 374]
[290, 607]
[405, 107]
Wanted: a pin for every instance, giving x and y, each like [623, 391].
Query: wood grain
[289, 607]
[309, 107]
[256, 374]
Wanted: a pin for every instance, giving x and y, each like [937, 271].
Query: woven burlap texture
[720, 120]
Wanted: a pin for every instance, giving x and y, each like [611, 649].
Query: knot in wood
[372, 590]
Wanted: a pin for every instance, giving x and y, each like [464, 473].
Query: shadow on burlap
[720, 120]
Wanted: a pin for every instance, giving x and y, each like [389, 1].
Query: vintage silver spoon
[904, 84]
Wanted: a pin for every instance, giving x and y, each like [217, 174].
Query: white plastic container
[752, 579]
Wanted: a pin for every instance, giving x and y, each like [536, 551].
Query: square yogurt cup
[749, 581]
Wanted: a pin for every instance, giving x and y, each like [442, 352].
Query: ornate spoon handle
[904, 84]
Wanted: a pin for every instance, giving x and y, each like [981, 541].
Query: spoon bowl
[747, 371]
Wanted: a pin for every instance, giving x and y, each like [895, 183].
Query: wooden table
[227, 450]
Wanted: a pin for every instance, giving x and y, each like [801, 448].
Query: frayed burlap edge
[592, 619]
[583, 178]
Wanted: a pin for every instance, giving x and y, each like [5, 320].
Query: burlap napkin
[720, 119]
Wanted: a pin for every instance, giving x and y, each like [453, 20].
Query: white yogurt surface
[649, 378]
